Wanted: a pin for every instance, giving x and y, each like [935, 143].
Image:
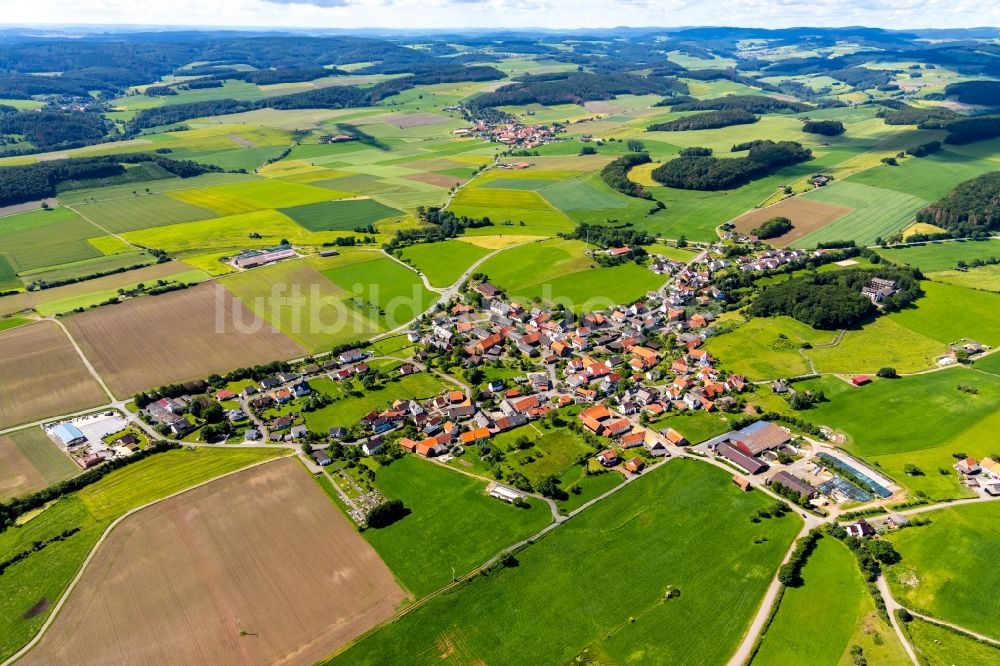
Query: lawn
[452, 527]
[815, 622]
[39, 580]
[947, 566]
[343, 215]
[876, 213]
[347, 411]
[696, 426]
[444, 262]
[941, 256]
[937, 646]
[594, 588]
[948, 313]
[43, 238]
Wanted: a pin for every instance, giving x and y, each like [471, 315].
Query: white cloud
[503, 13]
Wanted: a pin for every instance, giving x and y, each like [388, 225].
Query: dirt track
[256, 568]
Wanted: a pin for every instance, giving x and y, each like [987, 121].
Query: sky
[556, 14]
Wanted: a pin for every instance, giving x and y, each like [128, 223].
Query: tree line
[575, 88]
[615, 174]
[748, 103]
[973, 206]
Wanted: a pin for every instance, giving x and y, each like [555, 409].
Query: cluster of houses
[983, 475]
[512, 134]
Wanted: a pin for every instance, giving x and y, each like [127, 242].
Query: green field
[985, 278]
[43, 238]
[348, 410]
[815, 623]
[887, 341]
[46, 573]
[340, 215]
[767, 347]
[948, 313]
[947, 566]
[452, 526]
[85, 300]
[301, 302]
[382, 290]
[943, 255]
[48, 464]
[876, 212]
[559, 271]
[8, 277]
[141, 212]
[594, 588]
[85, 267]
[443, 263]
[921, 420]
[578, 194]
[253, 195]
[12, 322]
[937, 646]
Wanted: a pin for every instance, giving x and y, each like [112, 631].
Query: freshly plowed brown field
[41, 375]
[147, 342]
[256, 568]
[806, 216]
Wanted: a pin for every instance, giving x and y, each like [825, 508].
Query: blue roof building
[69, 434]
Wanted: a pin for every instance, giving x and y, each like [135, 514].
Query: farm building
[740, 458]
[762, 436]
[252, 258]
[68, 434]
[506, 493]
[793, 482]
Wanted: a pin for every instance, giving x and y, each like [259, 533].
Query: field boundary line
[100, 541]
[83, 357]
[105, 230]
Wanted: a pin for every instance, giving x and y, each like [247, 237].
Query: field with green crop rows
[141, 212]
[444, 262]
[340, 215]
[44, 238]
[876, 213]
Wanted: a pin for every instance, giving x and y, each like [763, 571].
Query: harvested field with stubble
[41, 375]
[807, 216]
[147, 342]
[256, 568]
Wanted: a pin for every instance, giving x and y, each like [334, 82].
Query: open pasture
[451, 511]
[30, 461]
[942, 256]
[767, 347]
[444, 262]
[807, 216]
[319, 583]
[584, 194]
[30, 588]
[887, 341]
[948, 313]
[876, 212]
[342, 215]
[816, 622]
[253, 195]
[985, 278]
[8, 276]
[932, 578]
[147, 342]
[43, 238]
[152, 187]
[939, 646]
[41, 374]
[561, 583]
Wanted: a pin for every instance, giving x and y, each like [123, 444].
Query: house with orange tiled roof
[473, 436]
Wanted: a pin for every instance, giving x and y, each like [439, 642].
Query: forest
[824, 127]
[973, 206]
[748, 103]
[576, 88]
[833, 300]
[707, 120]
[986, 93]
[714, 173]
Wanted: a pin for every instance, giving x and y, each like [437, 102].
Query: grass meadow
[382, 290]
[876, 212]
[340, 215]
[141, 212]
[937, 646]
[817, 623]
[443, 263]
[948, 313]
[348, 409]
[30, 461]
[44, 238]
[946, 564]
[39, 580]
[594, 588]
[941, 256]
[453, 525]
